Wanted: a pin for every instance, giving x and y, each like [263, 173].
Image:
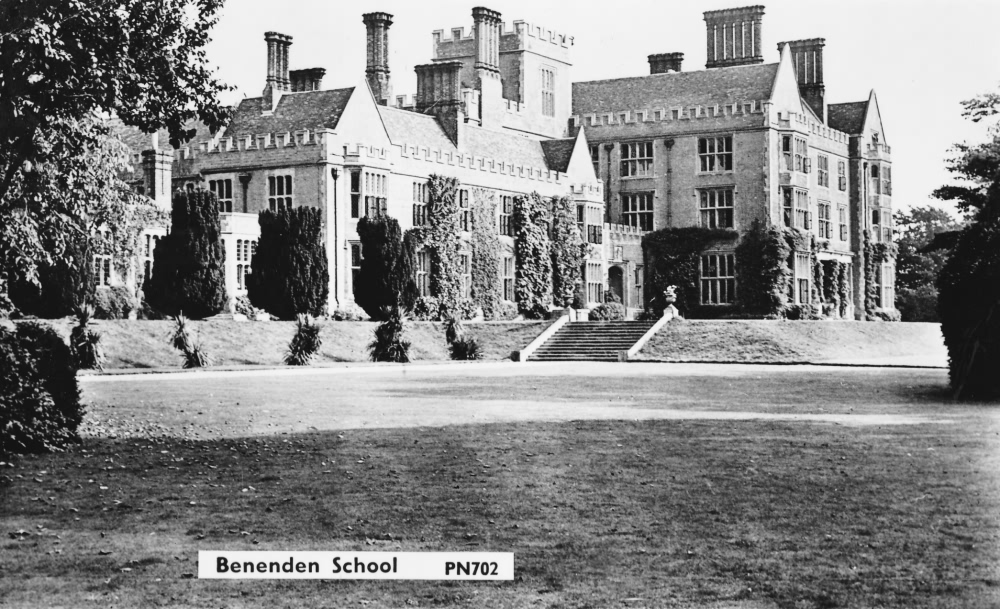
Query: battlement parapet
[805, 122]
[518, 36]
[594, 190]
[252, 143]
[623, 233]
[462, 160]
[674, 113]
[358, 153]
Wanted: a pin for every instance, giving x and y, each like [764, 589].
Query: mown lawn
[633, 513]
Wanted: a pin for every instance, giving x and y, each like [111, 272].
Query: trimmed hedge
[969, 307]
[386, 275]
[38, 391]
[289, 273]
[189, 263]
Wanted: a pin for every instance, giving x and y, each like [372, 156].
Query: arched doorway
[616, 283]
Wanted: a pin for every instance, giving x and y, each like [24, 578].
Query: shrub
[885, 315]
[453, 330]
[390, 344]
[193, 354]
[243, 306]
[429, 308]
[189, 263]
[485, 242]
[969, 307]
[289, 270]
[441, 238]
[39, 394]
[84, 343]
[918, 304]
[762, 271]
[115, 302]
[505, 311]
[465, 349]
[803, 312]
[609, 311]
[63, 285]
[349, 313]
[306, 342]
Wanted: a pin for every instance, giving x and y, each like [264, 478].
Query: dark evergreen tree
[289, 272]
[189, 263]
[387, 273]
[569, 252]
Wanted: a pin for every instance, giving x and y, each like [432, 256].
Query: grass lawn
[846, 342]
[145, 344]
[566, 465]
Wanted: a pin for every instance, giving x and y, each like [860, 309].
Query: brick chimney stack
[377, 69]
[310, 79]
[277, 69]
[807, 56]
[486, 29]
[439, 90]
[734, 37]
[665, 63]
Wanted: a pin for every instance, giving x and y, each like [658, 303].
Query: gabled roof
[406, 127]
[848, 117]
[558, 153]
[504, 146]
[676, 89]
[295, 111]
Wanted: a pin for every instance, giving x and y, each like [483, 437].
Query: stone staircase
[591, 341]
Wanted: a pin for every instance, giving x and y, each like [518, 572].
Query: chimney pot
[733, 36]
[665, 63]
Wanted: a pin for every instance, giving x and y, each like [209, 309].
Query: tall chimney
[734, 37]
[377, 69]
[665, 63]
[486, 30]
[277, 69]
[439, 89]
[310, 79]
[807, 56]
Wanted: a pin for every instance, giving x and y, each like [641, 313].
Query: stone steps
[591, 341]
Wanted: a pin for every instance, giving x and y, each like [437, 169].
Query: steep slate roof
[677, 89]
[504, 146]
[138, 141]
[303, 110]
[558, 153]
[406, 127]
[849, 117]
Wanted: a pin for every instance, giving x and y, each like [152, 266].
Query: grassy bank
[145, 344]
[754, 341]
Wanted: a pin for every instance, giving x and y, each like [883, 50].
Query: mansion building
[739, 141]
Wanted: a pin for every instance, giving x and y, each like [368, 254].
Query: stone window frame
[717, 278]
[507, 270]
[638, 209]
[796, 214]
[594, 281]
[823, 170]
[222, 188]
[420, 198]
[715, 154]
[710, 210]
[636, 159]
[280, 191]
[423, 270]
[824, 219]
[843, 219]
[547, 77]
[354, 260]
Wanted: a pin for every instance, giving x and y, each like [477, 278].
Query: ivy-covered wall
[441, 237]
[533, 254]
[672, 256]
[762, 271]
[486, 286]
[568, 252]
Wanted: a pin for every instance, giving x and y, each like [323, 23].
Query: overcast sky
[922, 58]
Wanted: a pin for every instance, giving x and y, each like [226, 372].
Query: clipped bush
[803, 312]
[390, 344]
[289, 271]
[189, 263]
[886, 315]
[84, 343]
[385, 279]
[306, 342]
[349, 313]
[465, 348]
[609, 311]
[505, 311]
[39, 394]
[115, 302]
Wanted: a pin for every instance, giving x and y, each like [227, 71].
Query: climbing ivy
[533, 254]
[441, 237]
[844, 289]
[485, 252]
[762, 271]
[672, 256]
[568, 252]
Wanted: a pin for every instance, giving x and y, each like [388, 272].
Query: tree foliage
[969, 282]
[672, 256]
[762, 270]
[289, 271]
[486, 284]
[442, 237]
[569, 251]
[189, 264]
[916, 270]
[64, 60]
[51, 215]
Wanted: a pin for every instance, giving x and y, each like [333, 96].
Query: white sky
[922, 58]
